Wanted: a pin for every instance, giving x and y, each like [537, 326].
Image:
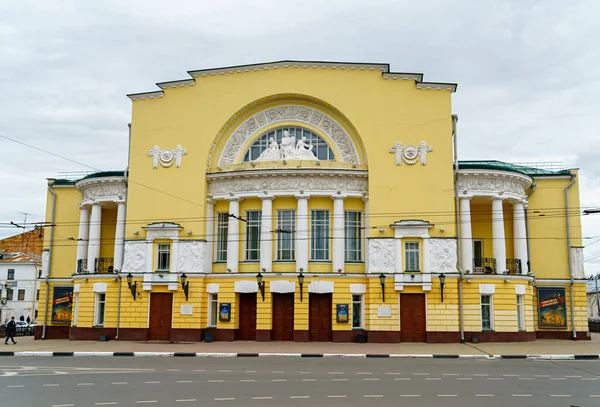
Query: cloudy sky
[527, 72]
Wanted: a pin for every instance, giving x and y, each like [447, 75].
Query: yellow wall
[107, 231]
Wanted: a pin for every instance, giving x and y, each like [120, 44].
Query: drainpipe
[49, 259]
[120, 277]
[458, 235]
[569, 254]
[527, 228]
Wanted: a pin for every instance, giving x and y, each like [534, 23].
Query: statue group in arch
[288, 149]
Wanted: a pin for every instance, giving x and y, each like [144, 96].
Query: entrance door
[247, 330]
[319, 317]
[412, 318]
[283, 317]
[161, 310]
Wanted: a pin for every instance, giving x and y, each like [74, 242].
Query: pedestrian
[11, 329]
[28, 320]
[22, 318]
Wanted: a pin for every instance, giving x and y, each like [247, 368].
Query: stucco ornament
[104, 189]
[411, 154]
[135, 257]
[288, 149]
[167, 157]
[490, 184]
[577, 262]
[442, 255]
[382, 256]
[191, 256]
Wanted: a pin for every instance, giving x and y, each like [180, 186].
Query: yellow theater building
[310, 201]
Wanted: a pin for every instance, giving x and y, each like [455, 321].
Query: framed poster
[225, 312]
[552, 310]
[342, 313]
[62, 305]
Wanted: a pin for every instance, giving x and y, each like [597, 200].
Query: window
[357, 311]
[319, 235]
[520, 313]
[213, 309]
[11, 274]
[286, 222]
[411, 250]
[21, 295]
[353, 233]
[164, 257]
[99, 312]
[222, 231]
[320, 148]
[487, 322]
[9, 294]
[37, 295]
[477, 254]
[76, 308]
[253, 235]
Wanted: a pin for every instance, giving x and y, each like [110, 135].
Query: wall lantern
[185, 285]
[132, 286]
[442, 278]
[382, 283]
[261, 284]
[301, 283]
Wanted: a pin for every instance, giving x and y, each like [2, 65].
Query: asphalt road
[168, 382]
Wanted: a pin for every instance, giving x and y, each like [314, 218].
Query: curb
[305, 355]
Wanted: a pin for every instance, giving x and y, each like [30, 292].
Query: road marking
[364, 373]
[451, 374]
[589, 378]
[541, 375]
[484, 395]
[526, 378]
[309, 380]
[521, 395]
[119, 382]
[335, 372]
[394, 373]
[339, 380]
[63, 405]
[464, 378]
[251, 371]
[225, 399]
[341, 396]
[173, 370]
[279, 380]
[495, 378]
[560, 395]
[510, 375]
[224, 371]
[262, 398]
[152, 382]
[146, 401]
[373, 395]
[558, 378]
[594, 395]
[299, 397]
[410, 395]
[17, 385]
[247, 380]
[196, 370]
[185, 401]
[433, 378]
[371, 378]
[85, 384]
[576, 377]
[277, 371]
[185, 381]
[51, 385]
[447, 395]
[305, 373]
[401, 378]
[216, 381]
[421, 374]
[480, 374]
[107, 403]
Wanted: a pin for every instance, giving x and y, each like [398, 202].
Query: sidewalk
[539, 347]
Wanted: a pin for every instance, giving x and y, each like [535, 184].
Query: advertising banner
[552, 310]
[62, 305]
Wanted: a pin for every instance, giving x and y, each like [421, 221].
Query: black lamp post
[442, 278]
[132, 286]
[382, 283]
[301, 283]
[261, 284]
[185, 285]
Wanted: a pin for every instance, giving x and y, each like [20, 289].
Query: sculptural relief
[288, 149]
[191, 256]
[167, 157]
[382, 256]
[487, 183]
[134, 258]
[442, 255]
[411, 154]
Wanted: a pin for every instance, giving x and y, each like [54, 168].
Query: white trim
[358, 288]
[146, 95]
[487, 289]
[100, 288]
[76, 307]
[282, 286]
[362, 312]
[520, 289]
[320, 287]
[491, 305]
[176, 84]
[437, 86]
[417, 77]
[209, 312]
[212, 288]
[521, 316]
[76, 288]
[96, 306]
[245, 286]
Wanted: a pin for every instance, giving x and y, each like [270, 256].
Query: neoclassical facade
[308, 201]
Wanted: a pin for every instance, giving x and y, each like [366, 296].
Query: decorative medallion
[167, 157]
[411, 154]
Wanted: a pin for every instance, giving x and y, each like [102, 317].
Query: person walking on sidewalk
[11, 329]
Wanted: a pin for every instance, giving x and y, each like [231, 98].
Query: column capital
[341, 197]
[267, 197]
[465, 198]
[211, 201]
[302, 196]
[365, 198]
[235, 199]
[497, 198]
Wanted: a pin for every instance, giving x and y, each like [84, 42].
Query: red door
[283, 317]
[161, 310]
[412, 318]
[319, 318]
[247, 330]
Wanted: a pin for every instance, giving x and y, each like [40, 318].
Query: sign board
[384, 311]
[552, 309]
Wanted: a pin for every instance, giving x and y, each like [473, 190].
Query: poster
[342, 313]
[61, 305]
[551, 307]
[225, 312]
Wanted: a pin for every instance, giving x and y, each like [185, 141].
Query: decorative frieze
[473, 183]
[191, 256]
[442, 255]
[135, 256]
[382, 256]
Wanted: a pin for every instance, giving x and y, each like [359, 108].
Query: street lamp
[185, 285]
[382, 283]
[301, 283]
[132, 286]
[261, 284]
[442, 278]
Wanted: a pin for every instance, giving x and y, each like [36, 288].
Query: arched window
[320, 147]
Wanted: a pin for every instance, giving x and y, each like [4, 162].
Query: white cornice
[296, 172]
[418, 77]
[81, 184]
[175, 84]
[437, 86]
[146, 95]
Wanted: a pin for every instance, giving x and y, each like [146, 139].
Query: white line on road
[277, 371]
[279, 380]
[309, 380]
[480, 374]
[402, 378]
[339, 380]
[85, 384]
[216, 381]
[262, 398]
[447, 395]
[198, 370]
[51, 385]
[510, 375]
[146, 401]
[63, 405]
[341, 396]
[421, 374]
[451, 374]
[373, 395]
[152, 382]
[305, 373]
[574, 377]
[17, 385]
[224, 371]
[464, 378]
[185, 381]
[526, 378]
[433, 378]
[364, 372]
[594, 395]
[484, 395]
[410, 395]
[106, 403]
[225, 399]
[251, 371]
[299, 397]
[173, 370]
[247, 380]
[541, 375]
[394, 373]
[119, 382]
[521, 395]
[371, 378]
[335, 372]
[558, 378]
[185, 401]
[495, 378]
[560, 395]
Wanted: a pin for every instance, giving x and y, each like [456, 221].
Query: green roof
[89, 176]
[502, 166]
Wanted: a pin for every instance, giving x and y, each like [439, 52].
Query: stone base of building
[568, 334]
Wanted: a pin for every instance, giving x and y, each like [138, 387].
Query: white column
[399, 267]
[119, 236]
[209, 234]
[466, 235]
[338, 233]
[82, 237]
[233, 236]
[174, 256]
[95, 235]
[499, 243]
[520, 235]
[266, 234]
[365, 237]
[149, 255]
[302, 233]
[426, 266]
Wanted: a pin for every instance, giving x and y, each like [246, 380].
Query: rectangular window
[213, 309]
[9, 294]
[357, 311]
[21, 295]
[164, 257]
[11, 274]
[99, 312]
[75, 308]
[286, 235]
[319, 235]
[520, 313]
[253, 235]
[222, 231]
[487, 322]
[411, 251]
[37, 295]
[477, 254]
[353, 236]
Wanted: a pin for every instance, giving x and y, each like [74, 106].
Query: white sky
[527, 72]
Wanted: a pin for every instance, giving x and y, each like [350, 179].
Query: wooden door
[319, 317]
[412, 318]
[283, 317]
[247, 327]
[161, 310]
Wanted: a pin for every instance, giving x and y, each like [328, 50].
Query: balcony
[485, 265]
[81, 266]
[514, 266]
[103, 265]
